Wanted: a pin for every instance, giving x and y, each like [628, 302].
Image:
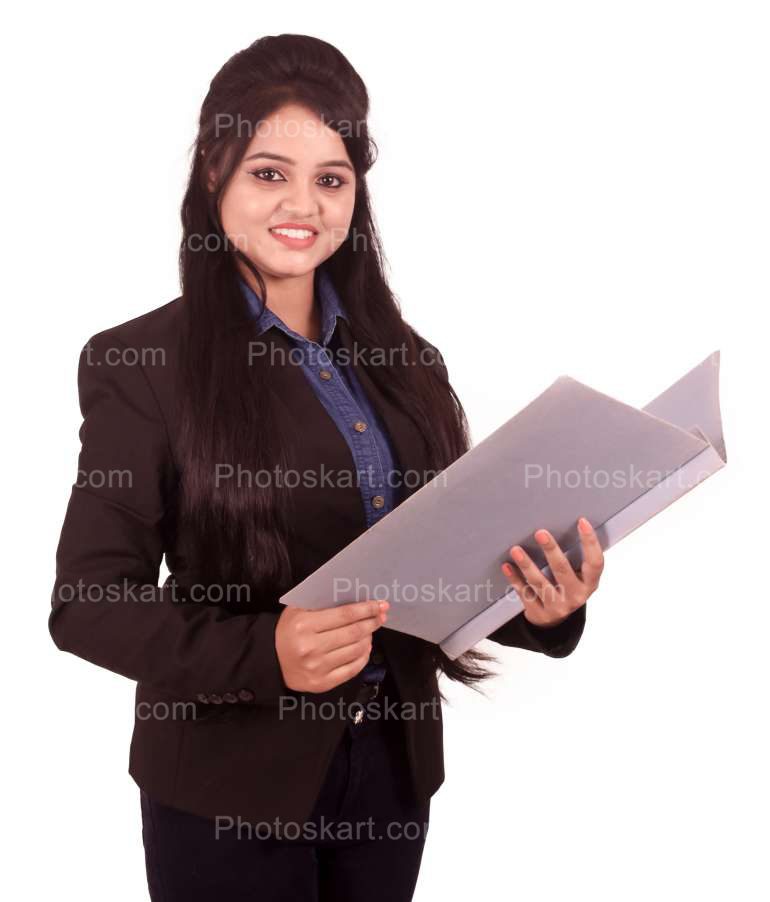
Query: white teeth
[293, 233]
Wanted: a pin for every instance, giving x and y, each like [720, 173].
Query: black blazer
[227, 751]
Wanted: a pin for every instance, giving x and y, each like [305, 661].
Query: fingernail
[384, 605]
[542, 536]
[517, 554]
[584, 526]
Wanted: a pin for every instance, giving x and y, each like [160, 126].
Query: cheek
[244, 212]
[337, 221]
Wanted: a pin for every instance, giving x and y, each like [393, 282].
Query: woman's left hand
[546, 604]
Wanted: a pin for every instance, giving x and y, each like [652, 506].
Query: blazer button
[325, 374]
[215, 699]
[359, 426]
[378, 501]
[246, 695]
[202, 698]
[230, 697]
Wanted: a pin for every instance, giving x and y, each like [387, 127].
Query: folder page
[571, 452]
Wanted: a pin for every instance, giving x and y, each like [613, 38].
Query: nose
[300, 203]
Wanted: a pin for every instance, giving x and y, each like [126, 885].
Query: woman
[195, 416]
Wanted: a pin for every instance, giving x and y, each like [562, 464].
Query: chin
[281, 269]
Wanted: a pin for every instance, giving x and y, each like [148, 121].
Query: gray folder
[571, 452]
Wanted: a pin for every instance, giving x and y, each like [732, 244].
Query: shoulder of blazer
[134, 360]
[157, 327]
[429, 353]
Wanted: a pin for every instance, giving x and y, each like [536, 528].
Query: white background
[576, 188]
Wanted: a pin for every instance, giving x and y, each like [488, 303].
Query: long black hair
[240, 535]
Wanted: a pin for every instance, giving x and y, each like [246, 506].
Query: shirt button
[378, 501]
[325, 374]
[359, 426]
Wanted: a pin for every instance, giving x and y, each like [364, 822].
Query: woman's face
[297, 174]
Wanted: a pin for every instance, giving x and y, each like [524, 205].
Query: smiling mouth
[299, 234]
[294, 239]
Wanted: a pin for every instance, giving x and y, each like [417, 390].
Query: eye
[266, 175]
[259, 173]
[329, 175]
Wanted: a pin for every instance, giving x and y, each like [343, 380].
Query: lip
[296, 243]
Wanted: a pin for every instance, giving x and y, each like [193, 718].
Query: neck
[292, 299]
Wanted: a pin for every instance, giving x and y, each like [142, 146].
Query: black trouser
[367, 847]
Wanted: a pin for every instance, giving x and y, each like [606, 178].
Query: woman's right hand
[318, 650]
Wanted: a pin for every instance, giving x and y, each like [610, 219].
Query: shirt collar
[329, 300]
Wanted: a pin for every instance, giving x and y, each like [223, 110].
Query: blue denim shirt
[341, 394]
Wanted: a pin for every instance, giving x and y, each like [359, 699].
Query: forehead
[297, 132]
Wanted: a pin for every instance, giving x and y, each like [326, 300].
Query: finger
[543, 587]
[346, 671]
[563, 572]
[345, 635]
[344, 614]
[338, 657]
[593, 556]
[526, 593]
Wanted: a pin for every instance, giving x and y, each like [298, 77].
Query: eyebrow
[282, 159]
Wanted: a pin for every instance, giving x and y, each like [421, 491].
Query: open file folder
[571, 452]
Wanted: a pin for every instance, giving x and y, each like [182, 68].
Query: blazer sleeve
[106, 605]
[554, 641]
